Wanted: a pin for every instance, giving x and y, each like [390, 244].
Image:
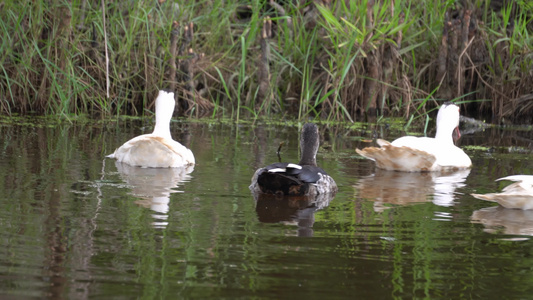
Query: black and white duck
[290, 179]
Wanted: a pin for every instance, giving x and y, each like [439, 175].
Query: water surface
[77, 225]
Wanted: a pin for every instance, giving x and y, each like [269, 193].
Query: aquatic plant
[334, 60]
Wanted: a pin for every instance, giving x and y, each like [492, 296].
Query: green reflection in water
[75, 227]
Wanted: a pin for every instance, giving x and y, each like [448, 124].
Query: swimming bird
[290, 179]
[157, 149]
[423, 154]
[518, 195]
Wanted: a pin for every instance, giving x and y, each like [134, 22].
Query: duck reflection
[153, 187]
[402, 188]
[291, 210]
[498, 219]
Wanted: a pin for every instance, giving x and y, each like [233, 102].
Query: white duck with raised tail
[158, 149]
[423, 154]
[518, 195]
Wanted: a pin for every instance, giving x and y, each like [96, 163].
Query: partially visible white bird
[158, 149]
[518, 195]
[423, 154]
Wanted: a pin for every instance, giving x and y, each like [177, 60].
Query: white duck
[158, 149]
[518, 195]
[423, 154]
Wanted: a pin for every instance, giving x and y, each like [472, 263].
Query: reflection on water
[498, 219]
[401, 188]
[153, 187]
[445, 186]
[71, 228]
[299, 211]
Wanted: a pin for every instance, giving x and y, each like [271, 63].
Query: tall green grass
[336, 62]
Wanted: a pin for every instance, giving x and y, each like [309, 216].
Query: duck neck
[309, 145]
[444, 135]
[308, 159]
[447, 122]
[164, 107]
[161, 130]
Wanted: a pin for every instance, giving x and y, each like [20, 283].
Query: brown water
[77, 226]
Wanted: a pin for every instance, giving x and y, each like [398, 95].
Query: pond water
[76, 225]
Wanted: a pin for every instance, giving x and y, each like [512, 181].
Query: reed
[339, 61]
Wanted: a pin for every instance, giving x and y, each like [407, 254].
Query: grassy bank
[244, 59]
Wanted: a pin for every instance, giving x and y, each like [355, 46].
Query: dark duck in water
[290, 179]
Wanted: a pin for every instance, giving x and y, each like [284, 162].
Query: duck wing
[518, 195]
[281, 183]
[509, 200]
[309, 174]
[399, 158]
[523, 185]
[288, 178]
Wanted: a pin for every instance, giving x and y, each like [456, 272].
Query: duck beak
[456, 134]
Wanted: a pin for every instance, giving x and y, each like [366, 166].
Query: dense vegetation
[338, 60]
